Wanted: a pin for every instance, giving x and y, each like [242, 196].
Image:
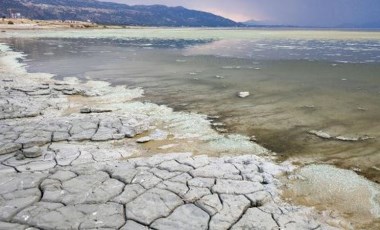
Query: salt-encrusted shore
[70, 159]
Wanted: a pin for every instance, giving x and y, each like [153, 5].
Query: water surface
[298, 80]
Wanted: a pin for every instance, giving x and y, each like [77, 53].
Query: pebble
[243, 94]
[143, 139]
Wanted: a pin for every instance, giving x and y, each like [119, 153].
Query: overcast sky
[294, 12]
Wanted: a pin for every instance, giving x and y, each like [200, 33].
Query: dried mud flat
[72, 157]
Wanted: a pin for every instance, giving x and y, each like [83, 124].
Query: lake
[298, 80]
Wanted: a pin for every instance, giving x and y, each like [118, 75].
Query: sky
[284, 12]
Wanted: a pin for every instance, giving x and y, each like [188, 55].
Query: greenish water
[298, 80]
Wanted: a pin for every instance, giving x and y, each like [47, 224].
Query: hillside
[113, 13]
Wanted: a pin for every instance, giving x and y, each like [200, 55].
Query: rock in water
[143, 140]
[320, 134]
[243, 94]
[85, 110]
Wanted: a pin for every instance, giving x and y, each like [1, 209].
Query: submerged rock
[143, 139]
[91, 110]
[243, 94]
[320, 134]
[325, 135]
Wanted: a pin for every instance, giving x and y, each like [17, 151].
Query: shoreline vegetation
[66, 138]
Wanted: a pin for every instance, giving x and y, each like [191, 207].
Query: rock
[353, 139]
[97, 110]
[254, 218]
[143, 139]
[243, 94]
[320, 134]
[221, 130]
[325, 135]
[186, 217]
[168, 146]
[218, 124]
[32, 152]
[85, 110]
[151, 205]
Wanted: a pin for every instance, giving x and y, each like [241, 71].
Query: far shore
[30, 24]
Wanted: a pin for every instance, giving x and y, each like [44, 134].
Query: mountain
[113, 13]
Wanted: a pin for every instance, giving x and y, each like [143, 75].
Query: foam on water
[344, 190]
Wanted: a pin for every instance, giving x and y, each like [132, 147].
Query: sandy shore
[28, 24]
[88, 155]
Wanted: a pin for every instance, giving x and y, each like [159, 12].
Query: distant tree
[3, 17]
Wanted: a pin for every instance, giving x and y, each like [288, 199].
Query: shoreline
[52, 158]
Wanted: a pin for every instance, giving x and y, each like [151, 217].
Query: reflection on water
[293, 49]
[296, 86]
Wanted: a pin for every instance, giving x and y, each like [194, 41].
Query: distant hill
[113, 13]
[254, 23]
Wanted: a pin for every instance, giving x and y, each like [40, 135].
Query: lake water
[299, 81]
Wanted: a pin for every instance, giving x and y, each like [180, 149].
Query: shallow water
[298, 80]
